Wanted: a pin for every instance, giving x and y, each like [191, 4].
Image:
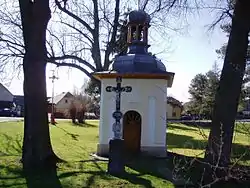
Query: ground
[74, 144]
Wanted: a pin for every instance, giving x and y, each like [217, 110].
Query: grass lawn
[191, 141]
[74, 144]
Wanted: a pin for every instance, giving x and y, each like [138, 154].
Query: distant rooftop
[59, 97]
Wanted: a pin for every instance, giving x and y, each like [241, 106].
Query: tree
[84, 102]
[88, 34]
[37, 149]
[226, 28]
[202, 90]
[213, 77]
[227, 95]
[196, 90]
[91, 88]
[97, 30]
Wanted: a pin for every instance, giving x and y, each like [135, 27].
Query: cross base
[116, 163]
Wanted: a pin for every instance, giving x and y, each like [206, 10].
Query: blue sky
[190, 54]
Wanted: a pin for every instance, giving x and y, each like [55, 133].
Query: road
[4, 119]
[179, 121]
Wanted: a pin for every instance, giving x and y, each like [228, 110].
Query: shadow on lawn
[15, 177]
[189, 142]
[243, 128]
[203, 124]
[173, 126]
[43, 179]
[158, 167]
[85, 124]
[10, 146]
[73, 136]
[184, 141]
[130, 177]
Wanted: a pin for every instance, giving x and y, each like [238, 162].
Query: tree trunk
[227, 97]
[37, 149]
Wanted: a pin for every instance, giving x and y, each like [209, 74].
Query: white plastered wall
[148, 97]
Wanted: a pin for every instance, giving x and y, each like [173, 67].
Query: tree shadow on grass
[188, 142]
[130, 177]
[135, 179]
[193, 168]
[243, 128]
[10, 146]
[145, 164]
[16, 177]
[72, 135]
[172, 126]
[240, 152]
[43, 179]
[85, 124]
[93, 174]
[183, 141]
[13, 177]
[203, 124]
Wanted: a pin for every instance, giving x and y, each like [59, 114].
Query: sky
[189, 54]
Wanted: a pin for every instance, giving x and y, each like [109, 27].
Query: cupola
[138, 60]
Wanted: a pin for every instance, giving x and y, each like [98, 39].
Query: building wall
[148, 98]
[173, 112]
[5, 95]
[64, 105]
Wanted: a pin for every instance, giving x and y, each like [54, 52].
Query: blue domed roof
[138, 60]
[138, 63]
[138, 16]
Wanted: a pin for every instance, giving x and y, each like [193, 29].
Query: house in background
[62, 103]
[7, 107]
[5, 94]
[174, 108]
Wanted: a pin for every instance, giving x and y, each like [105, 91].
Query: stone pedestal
[116, 164]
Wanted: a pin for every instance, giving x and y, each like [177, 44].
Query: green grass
[192, 140]
[74, 144]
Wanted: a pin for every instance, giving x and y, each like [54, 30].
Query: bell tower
[144, 109]
[137, 37]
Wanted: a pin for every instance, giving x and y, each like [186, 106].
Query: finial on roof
[138, 17]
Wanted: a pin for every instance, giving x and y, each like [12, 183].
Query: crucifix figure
[117, 115]
[116, 162]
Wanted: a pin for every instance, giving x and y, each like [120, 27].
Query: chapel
[144, 109]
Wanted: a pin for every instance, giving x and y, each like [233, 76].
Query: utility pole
[52, 117]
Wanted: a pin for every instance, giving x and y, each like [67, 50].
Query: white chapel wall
[146, 94]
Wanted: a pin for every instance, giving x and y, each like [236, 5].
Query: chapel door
[132, 131]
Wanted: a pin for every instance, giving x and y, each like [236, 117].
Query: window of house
[174, 114]
[66, 100]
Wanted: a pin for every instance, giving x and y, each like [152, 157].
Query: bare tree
[228, 93]
[85, 34]
[37, 149]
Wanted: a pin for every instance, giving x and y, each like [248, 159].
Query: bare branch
[145, 4]
[85, 24]
[80, 60]
[10, 42]
[79, 31]
[63, 64]
[113, 36]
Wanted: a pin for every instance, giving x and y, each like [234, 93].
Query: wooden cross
[117, 115]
